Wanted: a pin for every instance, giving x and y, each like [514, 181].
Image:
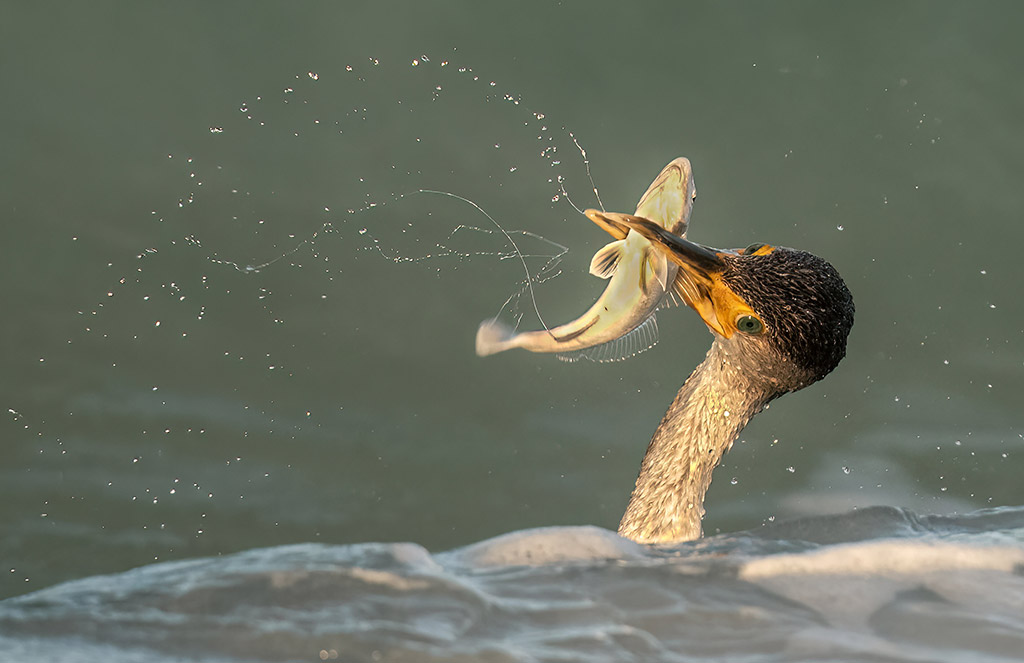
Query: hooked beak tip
[680, 250]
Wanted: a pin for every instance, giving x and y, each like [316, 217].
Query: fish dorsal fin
[684, 289]
[672, 298]
[655, 268]
[606, 260]
[643, 337]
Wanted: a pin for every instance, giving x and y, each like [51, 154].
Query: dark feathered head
[784, 313]
[805, 306]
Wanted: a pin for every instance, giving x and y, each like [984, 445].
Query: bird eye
[749, 324]
[753, 248]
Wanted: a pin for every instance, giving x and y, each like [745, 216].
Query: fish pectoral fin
[654, 268]
[608, 223]
[606, 260]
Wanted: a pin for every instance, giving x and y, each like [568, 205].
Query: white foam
[549, 545]
[853, 586]
[887, 557]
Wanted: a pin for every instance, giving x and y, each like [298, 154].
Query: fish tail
[493, 336]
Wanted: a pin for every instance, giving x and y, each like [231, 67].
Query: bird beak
[699, 280]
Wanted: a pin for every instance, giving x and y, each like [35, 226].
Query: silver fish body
[621, 322]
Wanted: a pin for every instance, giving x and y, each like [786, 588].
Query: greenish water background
[334, 396]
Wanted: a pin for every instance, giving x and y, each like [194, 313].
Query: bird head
[780, 313]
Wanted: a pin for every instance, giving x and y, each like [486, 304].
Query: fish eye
[753, 248]
[749, 324]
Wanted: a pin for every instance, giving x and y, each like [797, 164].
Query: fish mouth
[699, 280]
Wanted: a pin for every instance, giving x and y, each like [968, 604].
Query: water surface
[917, 588]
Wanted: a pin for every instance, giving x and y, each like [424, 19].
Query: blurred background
[230, 320]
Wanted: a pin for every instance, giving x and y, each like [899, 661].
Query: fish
[622, 322]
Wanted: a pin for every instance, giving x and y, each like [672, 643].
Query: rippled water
[876, 585]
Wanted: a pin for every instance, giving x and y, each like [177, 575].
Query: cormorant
[780, 319]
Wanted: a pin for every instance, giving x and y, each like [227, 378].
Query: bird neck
[708, 413]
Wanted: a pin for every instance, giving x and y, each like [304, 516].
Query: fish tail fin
[493, 336]
[606, 260]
